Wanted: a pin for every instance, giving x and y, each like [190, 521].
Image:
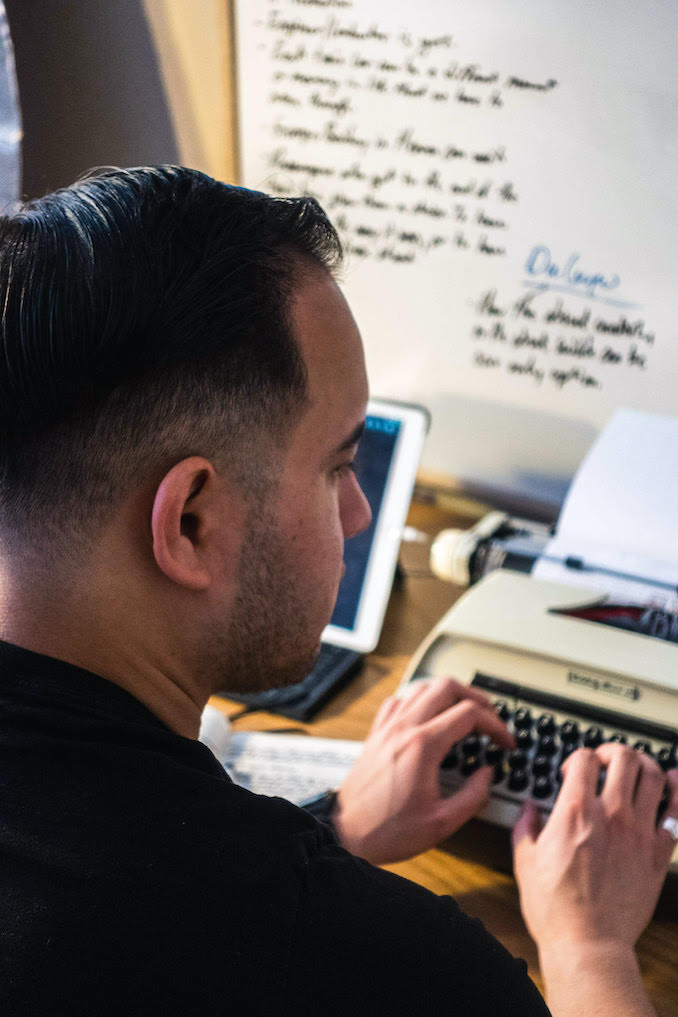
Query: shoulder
[364, 934]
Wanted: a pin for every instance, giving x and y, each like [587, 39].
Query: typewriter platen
[558, 682]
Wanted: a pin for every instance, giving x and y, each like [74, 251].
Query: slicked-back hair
[145, 317]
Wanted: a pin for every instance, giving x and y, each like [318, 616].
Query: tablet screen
[386, 465]
[372, 465]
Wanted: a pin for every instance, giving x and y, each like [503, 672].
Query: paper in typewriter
[620, 514]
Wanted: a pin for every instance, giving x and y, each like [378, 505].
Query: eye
[345, 468]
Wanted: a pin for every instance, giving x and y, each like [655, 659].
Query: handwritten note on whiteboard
[503, 177]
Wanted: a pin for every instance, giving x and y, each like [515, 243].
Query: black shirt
[137, 879]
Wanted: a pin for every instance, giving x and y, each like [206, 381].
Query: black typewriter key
[523, 738]
[620, 739]
[517, 759]
[666, 758]
[451, 759]
[541, 766]
[546, 725]
[569, 732]
[518, 780]
[502, 708]
[522, 719]
[493, 754]
[643, 747]
[542, 787]
[547, 746]
[470, 765]
[664, 801]
[499, 773]
[470, 746]
[567, 750]
[593, 737]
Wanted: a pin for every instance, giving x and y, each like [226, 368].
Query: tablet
[386, 466]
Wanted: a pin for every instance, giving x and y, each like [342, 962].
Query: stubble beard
[269, 641]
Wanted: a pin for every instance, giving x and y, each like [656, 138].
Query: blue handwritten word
[541, 263]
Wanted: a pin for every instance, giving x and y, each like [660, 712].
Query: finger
[580, 780]
[666, 843]
[525, 832]
[465, 803]
[623, 767]
[459, 720]
[439, 695]
[385, 711]
[649, 789]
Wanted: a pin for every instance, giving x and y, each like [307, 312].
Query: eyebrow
[353, 438]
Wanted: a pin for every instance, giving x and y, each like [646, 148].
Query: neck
[126, 653]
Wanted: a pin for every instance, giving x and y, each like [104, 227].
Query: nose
[356, 514]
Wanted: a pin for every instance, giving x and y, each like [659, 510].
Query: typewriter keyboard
[547, 729]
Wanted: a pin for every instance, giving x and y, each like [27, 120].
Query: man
[182, 394]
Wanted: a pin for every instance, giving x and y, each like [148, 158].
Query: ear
[187, 515]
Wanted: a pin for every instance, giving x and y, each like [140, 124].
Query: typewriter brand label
[612, 686]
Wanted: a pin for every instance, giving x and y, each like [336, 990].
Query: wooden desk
[475, 864]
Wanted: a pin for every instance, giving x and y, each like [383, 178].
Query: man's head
[180, 387]
[145, 318]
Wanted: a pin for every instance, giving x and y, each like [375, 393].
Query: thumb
[525, 832]
[463, 804]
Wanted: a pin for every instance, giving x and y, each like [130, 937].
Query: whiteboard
[504, 177]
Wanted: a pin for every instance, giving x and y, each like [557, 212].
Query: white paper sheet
[296, 767]
[620, 513]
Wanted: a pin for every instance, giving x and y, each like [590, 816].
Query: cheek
[319, 534]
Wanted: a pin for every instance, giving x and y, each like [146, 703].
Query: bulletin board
[504, 177]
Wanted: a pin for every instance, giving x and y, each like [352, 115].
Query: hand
[593, 874]
[390, 806]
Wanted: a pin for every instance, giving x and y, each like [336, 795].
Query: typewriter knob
[470, 745]
[503, 711]
[470, 765]
[666, 758]
[517, 759]
[518, 780]
[547, 746]
[493, 754]
[593, 738]
[522, 719]
[567, 750]
[546, 724]
[523, 738]
[569, 731]
[542, 787]
[541, 766]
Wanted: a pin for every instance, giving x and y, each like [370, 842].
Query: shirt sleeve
[370, 942]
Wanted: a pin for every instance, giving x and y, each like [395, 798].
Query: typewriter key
[518, 780]
[569, 732]
[542, 787]
[593, 738]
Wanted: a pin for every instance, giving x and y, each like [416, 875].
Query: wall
[193, 46]
[124, 82]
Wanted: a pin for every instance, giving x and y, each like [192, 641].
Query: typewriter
[558, 680]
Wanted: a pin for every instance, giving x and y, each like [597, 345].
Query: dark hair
[145, 318]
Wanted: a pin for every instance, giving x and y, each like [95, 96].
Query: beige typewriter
[557, 681]
[544, 646]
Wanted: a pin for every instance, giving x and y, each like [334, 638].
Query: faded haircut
[145, 317]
